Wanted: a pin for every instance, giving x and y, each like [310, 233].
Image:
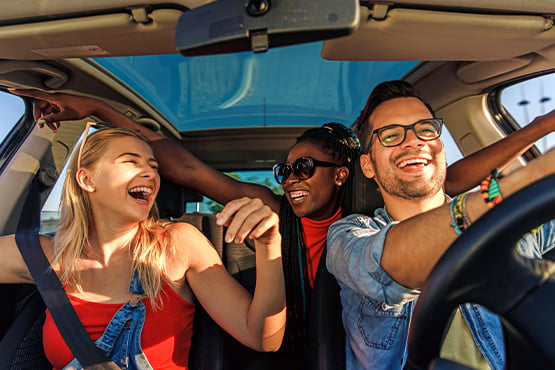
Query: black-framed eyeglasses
[303, 168]
[393, 135]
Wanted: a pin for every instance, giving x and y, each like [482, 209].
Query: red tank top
[315, 236]
[165, 339]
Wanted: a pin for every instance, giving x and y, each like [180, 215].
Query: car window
[452, 151]
[50, 212]
[265, 178]
[12, 108]
[528, 99]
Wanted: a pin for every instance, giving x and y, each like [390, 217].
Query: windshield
[285, 86]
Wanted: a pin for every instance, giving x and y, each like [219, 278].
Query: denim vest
[121, 341]
[377, 310]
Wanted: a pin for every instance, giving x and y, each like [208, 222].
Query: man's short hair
[383, 92]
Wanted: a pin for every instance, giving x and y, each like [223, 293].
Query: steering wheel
[482, 266]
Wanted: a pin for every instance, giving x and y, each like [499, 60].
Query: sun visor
[117, 34]
[238, 25]
[412, 34]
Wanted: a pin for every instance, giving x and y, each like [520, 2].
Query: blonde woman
[127, 272]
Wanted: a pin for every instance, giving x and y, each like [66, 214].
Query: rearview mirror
[229, 26]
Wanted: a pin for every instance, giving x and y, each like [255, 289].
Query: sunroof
[282, 87]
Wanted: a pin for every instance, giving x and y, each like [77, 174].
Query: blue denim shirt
[377, 310]
[121, 340]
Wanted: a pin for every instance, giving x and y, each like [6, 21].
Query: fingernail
[11, 88]
[41, 122]
[228, 238]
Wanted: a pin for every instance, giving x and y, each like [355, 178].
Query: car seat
[366, 194]
[207, 347]
[212, 348]
[21, 347]
[326, 346]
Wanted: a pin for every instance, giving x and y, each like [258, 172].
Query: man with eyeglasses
[382, 261]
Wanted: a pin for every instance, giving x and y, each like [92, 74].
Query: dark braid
[339, 141]
[290, 228]
[380, 94]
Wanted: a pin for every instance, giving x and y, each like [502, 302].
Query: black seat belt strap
[51, 290]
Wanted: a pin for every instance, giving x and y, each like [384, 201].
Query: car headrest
[366, 194]
[172, 198]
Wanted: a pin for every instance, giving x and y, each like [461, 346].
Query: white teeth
[141, 189]
[412, 162]
[298, 194]
[140, 193]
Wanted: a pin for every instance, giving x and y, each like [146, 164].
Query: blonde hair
[147, 248]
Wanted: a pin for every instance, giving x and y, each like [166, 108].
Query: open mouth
[413, 163]
[140, 193]
[298, 196]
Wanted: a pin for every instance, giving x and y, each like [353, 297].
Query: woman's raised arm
[176, 163]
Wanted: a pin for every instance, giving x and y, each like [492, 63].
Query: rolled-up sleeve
[538, 241]
[355, 246]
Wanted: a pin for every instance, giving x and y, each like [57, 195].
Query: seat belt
[51, 290]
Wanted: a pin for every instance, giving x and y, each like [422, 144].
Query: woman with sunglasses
[316, 179]
[133, 279]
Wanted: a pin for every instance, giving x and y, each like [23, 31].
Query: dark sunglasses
[393, 135]
[303, 168]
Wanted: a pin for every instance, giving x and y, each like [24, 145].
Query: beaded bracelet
[490, 189]
[466, 219]
[458, 210]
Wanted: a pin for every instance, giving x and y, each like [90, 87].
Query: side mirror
[229, 26]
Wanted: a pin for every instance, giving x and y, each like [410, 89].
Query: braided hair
[339, 141]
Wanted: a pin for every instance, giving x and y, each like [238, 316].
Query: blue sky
[12, 108]
[529, 99]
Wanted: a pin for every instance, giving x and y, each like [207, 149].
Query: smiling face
[318, 196]
[416, 168]
[124, 182]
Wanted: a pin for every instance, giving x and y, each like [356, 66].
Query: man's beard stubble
[409, 190]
